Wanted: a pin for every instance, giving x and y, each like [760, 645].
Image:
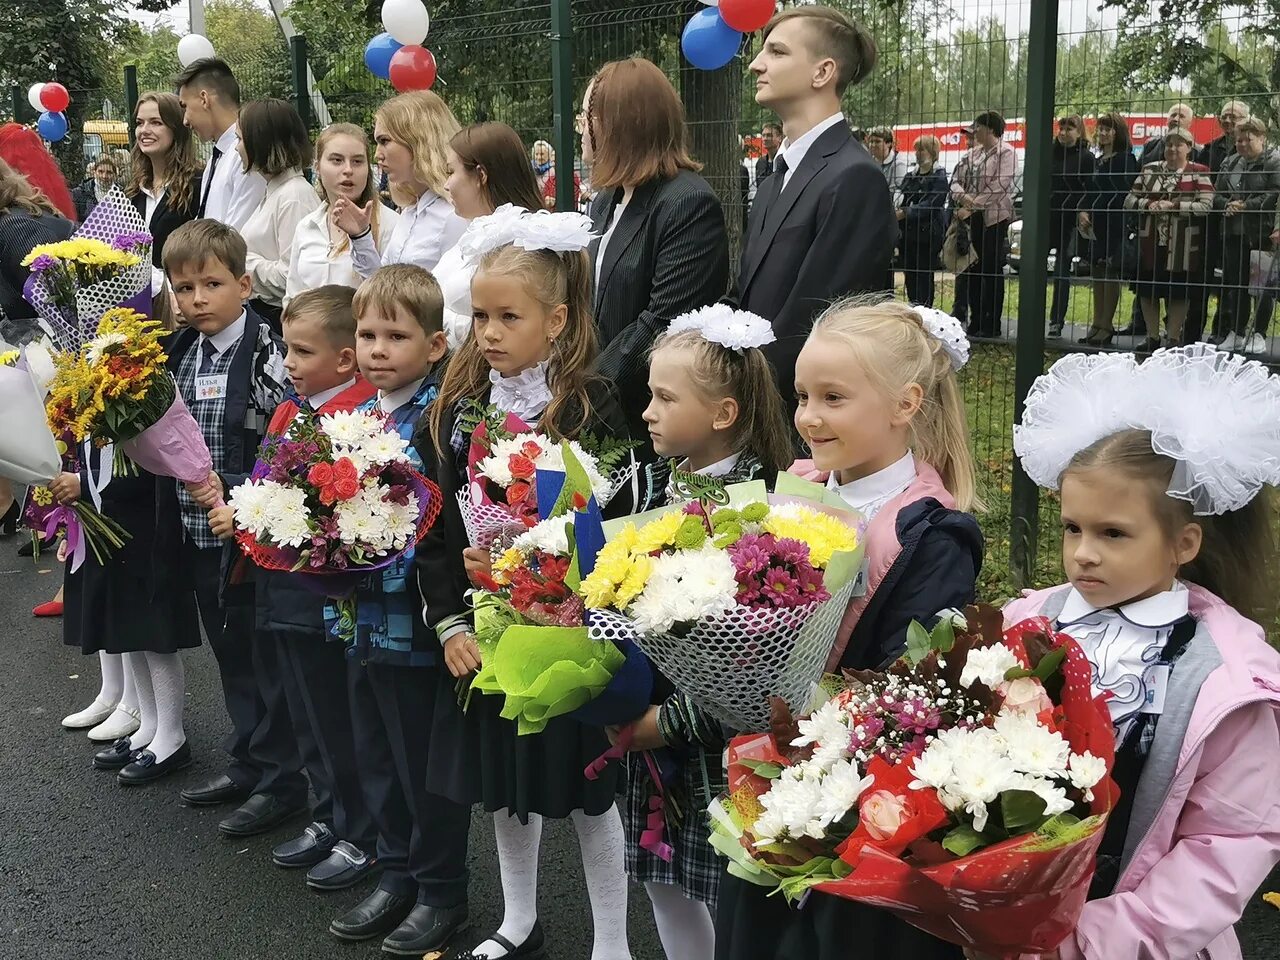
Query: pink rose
[882, 813]
[1025, 696]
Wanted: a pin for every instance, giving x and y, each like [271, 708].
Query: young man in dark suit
[822, 225]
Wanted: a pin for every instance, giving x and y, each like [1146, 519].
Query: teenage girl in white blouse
[411, 133]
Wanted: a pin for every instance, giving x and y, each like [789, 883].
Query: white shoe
[1230, 342]
[90, 716]
[122, 722]
[1257, 344]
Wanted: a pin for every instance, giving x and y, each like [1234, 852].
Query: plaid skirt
[694, 866]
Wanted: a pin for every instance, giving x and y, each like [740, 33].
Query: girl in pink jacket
[1167, 545]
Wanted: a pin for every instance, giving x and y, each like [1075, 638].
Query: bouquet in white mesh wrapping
[107, 264]
[500, 500]
[733, 603]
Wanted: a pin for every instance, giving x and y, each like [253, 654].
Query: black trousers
[984, 280]
[1235, 303]
[917, 268]
[422, 836]
[1062, 228]
[315, 685]
[264, 753]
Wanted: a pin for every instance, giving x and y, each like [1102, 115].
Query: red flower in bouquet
[892, 816]
[520, 464]
[335, 482]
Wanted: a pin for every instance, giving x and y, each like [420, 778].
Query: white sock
[168, 686]
[518, 845]
[685, 927]
[136, 664]
[112, 688]
[603, 846]
[128, 697]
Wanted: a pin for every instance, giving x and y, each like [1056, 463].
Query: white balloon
[33, 96]
[194, 47]
[406, 20]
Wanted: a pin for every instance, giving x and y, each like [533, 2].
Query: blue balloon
[52, 126]
[378, 54]
[708, 42]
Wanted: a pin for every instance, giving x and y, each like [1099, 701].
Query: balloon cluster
[398, 54]
[712, 37]
[50, 99]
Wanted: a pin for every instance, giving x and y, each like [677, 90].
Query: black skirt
[750, 925]
[109, 609]
[478, 757]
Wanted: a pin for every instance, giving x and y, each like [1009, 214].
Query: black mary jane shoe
[312, 846]
[146, 769]
[345, 866]
[9, 522]
[120, 754]
[1097, 340]
[426, 930]
[375, 916]
[534, 946]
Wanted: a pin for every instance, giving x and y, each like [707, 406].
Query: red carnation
[521, 467]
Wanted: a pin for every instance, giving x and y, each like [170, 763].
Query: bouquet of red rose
[965, 790]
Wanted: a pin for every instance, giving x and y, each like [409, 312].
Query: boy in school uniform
[229, 370]
[337, 848]
[394, 659]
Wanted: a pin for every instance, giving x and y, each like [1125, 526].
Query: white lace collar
[526, 394]
[868, 494]
[1162, 610]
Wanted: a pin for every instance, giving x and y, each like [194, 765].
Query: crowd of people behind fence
[372, 270]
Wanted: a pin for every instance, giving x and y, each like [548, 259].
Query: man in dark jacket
[1073, 167]
[87, 195]
[822, 226]
[1215, 155]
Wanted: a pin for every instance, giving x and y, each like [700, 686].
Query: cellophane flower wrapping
[28, 453]
[500, 499]
[966, 790]
[536, 650]
[734, 604]
[333, 499]
[106, 264]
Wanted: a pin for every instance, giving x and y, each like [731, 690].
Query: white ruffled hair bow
[510, 225]
[720, 323]
[948, 331]
[1215, 414]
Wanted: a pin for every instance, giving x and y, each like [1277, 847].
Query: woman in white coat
[487, 169]
[274, 143]
[321, 248]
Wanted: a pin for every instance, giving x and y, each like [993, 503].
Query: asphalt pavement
[93, 871]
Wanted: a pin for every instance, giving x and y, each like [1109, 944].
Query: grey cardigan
[1257, 183]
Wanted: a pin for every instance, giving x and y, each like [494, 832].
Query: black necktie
[768, 165]
[213, 169]
[207, 352]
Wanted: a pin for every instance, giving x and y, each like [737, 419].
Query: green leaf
[963, 840]
[943, 637]
[763, 768]
[919, 643]
[1021, 810]
[1049, 664]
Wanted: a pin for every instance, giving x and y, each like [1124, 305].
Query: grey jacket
[1257, 184]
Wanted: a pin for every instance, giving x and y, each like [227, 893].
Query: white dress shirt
[868, 494]
[226, 338]
[425, 231]
[795, 152]
[152, 201]
[608, 235]
[316, 261]
[525, 394]
[318, 400]
[233, 195]
[1123, 645]
[454, 274]
[269, 233]
[390, 402]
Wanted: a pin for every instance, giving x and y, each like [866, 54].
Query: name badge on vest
[211, 388]
[1157, 685]
[860, 582]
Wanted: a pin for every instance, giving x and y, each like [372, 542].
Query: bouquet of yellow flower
[106, 264]
[734, 603]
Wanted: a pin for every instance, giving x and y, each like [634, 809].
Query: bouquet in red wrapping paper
[333, 498]
[500, 500]
[965, 790]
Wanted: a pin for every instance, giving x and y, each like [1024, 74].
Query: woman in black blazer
[663, 249]
[167, 171]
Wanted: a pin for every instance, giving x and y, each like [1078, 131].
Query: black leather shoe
[119, 754]
[258, 814]
[374, 916]
[221, 789]
[427, 929]
[345, 866]
[307, 850]
[28, 548]
[533, 946]
[145, 768]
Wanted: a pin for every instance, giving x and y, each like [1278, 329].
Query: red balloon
[54, 97]
[412, 68]
[746, 16]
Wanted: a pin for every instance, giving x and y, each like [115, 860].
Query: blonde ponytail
[890, 343]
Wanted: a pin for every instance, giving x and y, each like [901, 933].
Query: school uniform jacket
[167, 217]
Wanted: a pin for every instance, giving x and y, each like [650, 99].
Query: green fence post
[562, 132]
[17, 100]
[131, 94]
[1032, 278]
[301, 93]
